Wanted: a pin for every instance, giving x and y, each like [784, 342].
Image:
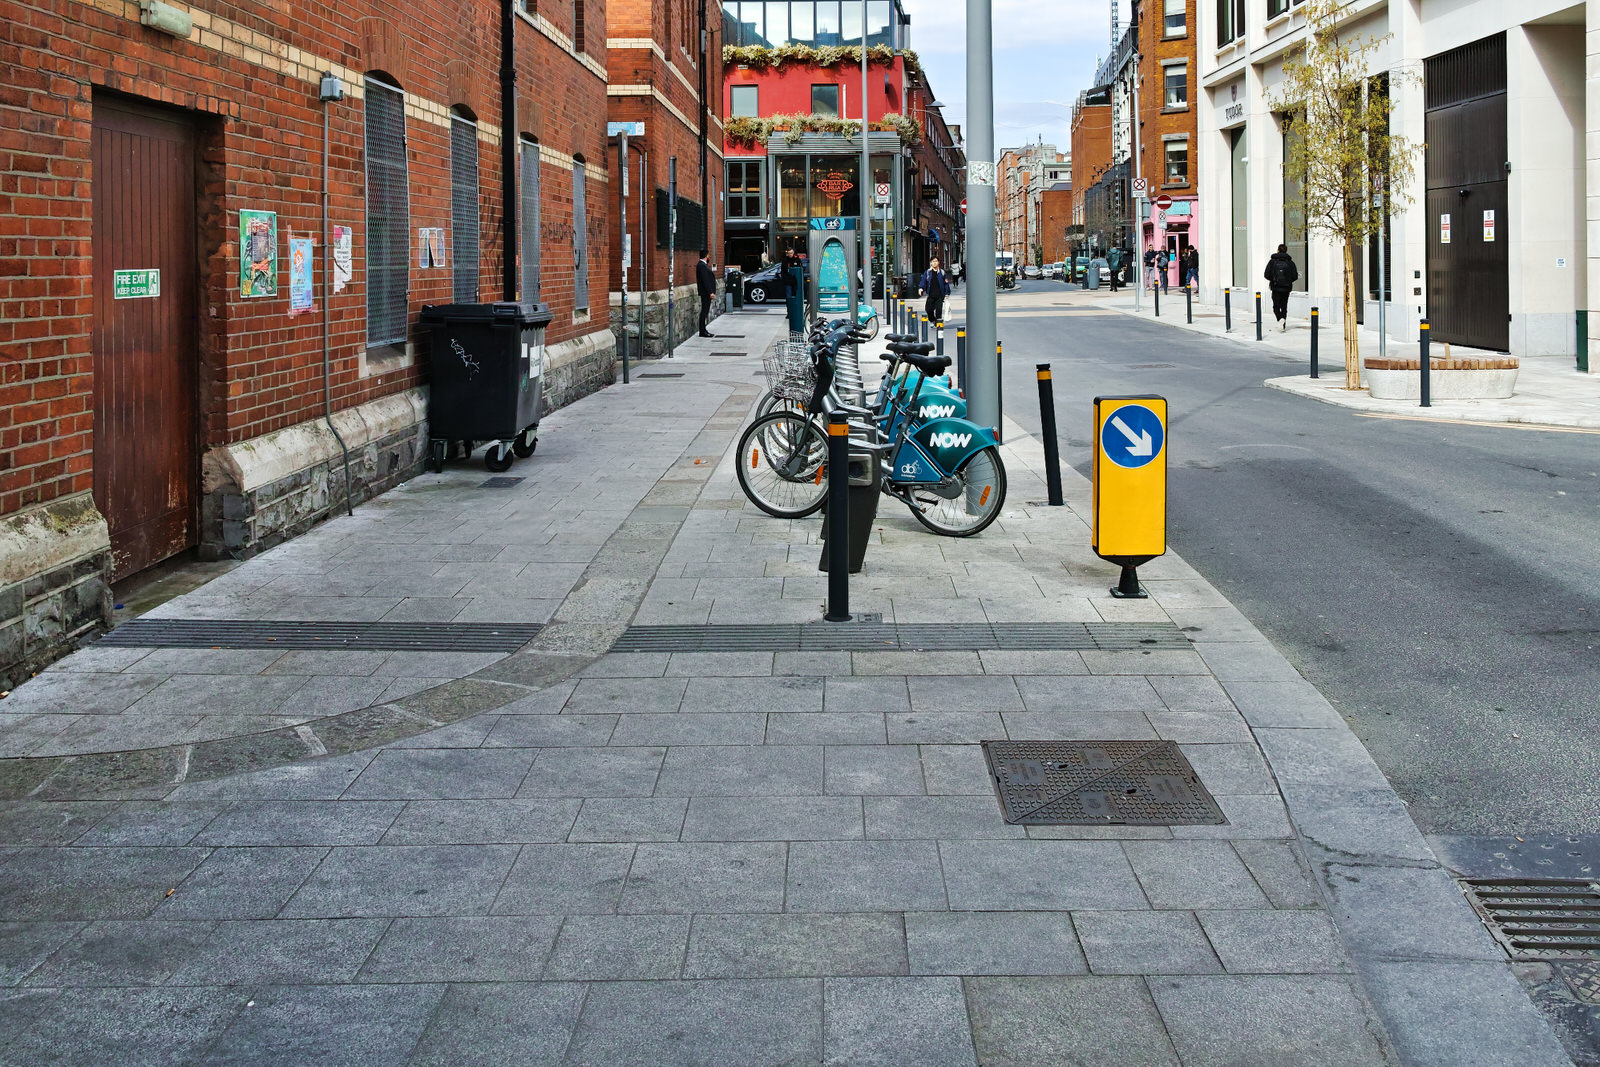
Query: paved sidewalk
[568, 855]
[1549, 392]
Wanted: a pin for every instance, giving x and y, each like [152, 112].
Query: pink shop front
[1172, 228]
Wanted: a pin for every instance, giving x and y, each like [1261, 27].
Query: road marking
[1476, 422]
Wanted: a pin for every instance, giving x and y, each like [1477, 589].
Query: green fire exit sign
[130, 284]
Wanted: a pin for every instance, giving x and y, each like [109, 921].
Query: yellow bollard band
[838, 429]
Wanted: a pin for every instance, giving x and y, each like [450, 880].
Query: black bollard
[1315, 323]
[1227, 311]
[1427, 370]
[938, 338]
[1188, 304]
[961, 359]
[1000, 390]
[838, 518]
[1052, 447]
[1258, 314]
[922, 327]
[1127, 587]
[1157, 290]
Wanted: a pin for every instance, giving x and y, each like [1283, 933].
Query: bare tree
[1353, 170]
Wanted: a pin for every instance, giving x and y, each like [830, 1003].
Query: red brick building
[1055, 221]
[664, 58]
[166, 326]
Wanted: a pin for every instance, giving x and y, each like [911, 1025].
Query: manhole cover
[501, 482]
[1091, 783]
[1584, 978]
[1540, 918]
[659, 374]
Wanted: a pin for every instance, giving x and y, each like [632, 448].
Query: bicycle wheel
[968, 505]
[781, 465]
[771, 402]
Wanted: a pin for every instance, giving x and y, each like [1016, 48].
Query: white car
[1052, 270]
[1031, 271]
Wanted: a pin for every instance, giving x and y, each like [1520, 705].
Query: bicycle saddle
[911, 348]
[930, 366]
[899, 338]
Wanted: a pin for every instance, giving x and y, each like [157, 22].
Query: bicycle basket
[789, 371]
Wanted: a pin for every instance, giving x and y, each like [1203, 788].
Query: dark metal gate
[1469, 286]
[145, 465]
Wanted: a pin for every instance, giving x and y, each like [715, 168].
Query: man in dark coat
[1281, 274]
[935, 286]
[708, 289]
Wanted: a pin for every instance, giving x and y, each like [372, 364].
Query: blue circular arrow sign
[1132, 436]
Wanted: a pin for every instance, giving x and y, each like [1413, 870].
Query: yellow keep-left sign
[1130, 478]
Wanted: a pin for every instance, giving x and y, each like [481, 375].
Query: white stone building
[1494, 250]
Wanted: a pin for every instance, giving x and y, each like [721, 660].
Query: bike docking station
[1129, 485]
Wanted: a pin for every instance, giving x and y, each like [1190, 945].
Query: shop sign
[135, 284]
[834, 185]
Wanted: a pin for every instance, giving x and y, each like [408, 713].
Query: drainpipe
[705, 119]
[508, 148]
[331, 90]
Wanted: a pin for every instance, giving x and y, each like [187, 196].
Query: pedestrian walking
[1281, 274]
[1191, 266]
[1150, 267]
[935, 286]
[708, 289]
[794, 293]
[1114, 263]
[1161, 267]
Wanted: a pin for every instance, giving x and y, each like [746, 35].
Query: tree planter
[1448, 379]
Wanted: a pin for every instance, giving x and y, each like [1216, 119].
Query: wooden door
[145, 460]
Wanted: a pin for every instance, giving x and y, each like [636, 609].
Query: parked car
[763, 285]
[1052, 270]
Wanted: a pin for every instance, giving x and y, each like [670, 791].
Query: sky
[1045, 52]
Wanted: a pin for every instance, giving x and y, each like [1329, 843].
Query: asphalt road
[1439, 583]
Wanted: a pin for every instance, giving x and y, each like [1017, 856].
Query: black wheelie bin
[486, 369]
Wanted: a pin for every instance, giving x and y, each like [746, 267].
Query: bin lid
[533, 314]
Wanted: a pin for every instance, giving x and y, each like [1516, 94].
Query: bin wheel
[437, 448]
[498, 457]
[526, 442]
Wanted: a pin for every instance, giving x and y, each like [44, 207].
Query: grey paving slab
[1280, 870]
[455, 948]
[193, 694]
[1070, 1021]
[1230, 768]
[630, 819]
[1193, 875]
[970, 693]
[908, 664]
[120, 952]
[50, 823]
[685, 728]
[1402, 912]
[98, 659]
[1201, 727]
[468, 733]
[25, 945]
[1078, 726]
[886, 695]
[276, 951]
[811, 664]
[1275, 942]
[306, 661]
[729, 770]
[91, 883]
[945, 727]
[628, 665]
[910, 818]
[565, 880]
[1145, 942]
[219, 661]
[955, 770]
[241, 883]
[437, 664]
[873, 770]
[795, 946]
[123, 1026]
[301, 822]
[1452, 1014]
[1288, 703]
[1267, 1020]
[1038, 876]
[826, 728]
[403, 880]
[1190, 693]
[789, 693]
[910, 1022]
[701, 665]
[1034, 662]
[1249, 816]
[334, 1024]
[550, 731]
[611, 696]
[1088, 694]
[706, 877]
[619, 947]
[1301, 758]
[470, 822]
[431, 774]
[333, 694]
[56, 692]
[322, 779]
[1149, 662]
[856, 876]
[773, 819]
[1359, 821]
[525, 1024]
[594, 772]
[1245, 662]
[709, 1023]
[995, 942]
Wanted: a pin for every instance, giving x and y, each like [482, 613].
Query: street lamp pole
[983, 396]
[866, 185]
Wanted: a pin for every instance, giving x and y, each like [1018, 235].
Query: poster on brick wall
[341, 258]
[300, 253]
[430, 247]
[258, 253]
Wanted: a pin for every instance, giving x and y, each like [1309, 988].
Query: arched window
[388, 212]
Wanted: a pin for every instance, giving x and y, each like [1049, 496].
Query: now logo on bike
[947, 439]
[936, 411]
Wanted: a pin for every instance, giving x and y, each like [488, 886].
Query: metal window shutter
[529, 218]
[580, 239]
[388, 214]
[464, 209]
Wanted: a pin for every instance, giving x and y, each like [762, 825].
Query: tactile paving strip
[374, 636]
[1093, 783]
[905, 637]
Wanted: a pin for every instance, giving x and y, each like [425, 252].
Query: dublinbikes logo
[936, 411]
[946, 439]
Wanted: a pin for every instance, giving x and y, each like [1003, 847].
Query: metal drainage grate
[1540, 918]
[659, 374]
[501, 482]
[375, 636]
[1583, 979]
[1093, 783]
[729, 355]
[877, 636]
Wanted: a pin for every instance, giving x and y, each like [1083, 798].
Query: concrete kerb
[1401, 918]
